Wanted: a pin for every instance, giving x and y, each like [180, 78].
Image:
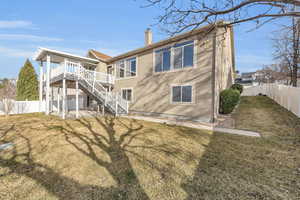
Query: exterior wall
[224, 63]
[101, 67]
[152, 91]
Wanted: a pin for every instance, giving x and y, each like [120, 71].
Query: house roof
[59, 56]
[167, 41]
[99, 55]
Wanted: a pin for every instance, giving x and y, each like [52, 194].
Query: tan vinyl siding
[224, 62]
[101, 67]
[152, 91]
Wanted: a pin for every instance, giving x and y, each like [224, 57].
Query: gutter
[213, 80]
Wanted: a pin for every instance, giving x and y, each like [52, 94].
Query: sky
[112, 27]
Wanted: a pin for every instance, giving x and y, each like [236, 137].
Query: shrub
[238, 87]
[229, 98]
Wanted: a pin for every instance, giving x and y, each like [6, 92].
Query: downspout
[232, 53]
[213, 82]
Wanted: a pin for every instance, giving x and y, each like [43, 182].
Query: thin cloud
[33, 38]
[14, 52]
[15, 24]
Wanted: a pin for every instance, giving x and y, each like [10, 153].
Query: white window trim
[112, 68]
[172, 57]
[182, 103]
[125, 64]
[130, 88]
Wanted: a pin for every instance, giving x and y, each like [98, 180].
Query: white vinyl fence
[286, 96]
[21, 107]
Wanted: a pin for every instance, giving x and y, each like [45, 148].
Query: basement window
[182, 94]
[127, 94]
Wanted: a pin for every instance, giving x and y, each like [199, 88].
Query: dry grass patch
[116, 158]
[238, 167]
[96, 158]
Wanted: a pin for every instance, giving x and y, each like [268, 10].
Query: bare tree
[286, 50]
[271, 73]
[7, 96]
[179, 15]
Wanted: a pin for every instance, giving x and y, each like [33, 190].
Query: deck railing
[94, 80]
[77, 69]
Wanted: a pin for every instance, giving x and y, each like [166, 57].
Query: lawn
[119, 158]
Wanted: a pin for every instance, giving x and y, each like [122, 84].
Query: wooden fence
[286, 96]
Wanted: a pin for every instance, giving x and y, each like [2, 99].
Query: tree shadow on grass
[119, 166]
[117, 139]
[63, 187]
[4, 132]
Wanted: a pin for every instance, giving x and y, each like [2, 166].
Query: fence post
[298, 92]
[127, 107]
[289, 98]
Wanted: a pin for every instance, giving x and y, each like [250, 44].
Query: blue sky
[112, 27]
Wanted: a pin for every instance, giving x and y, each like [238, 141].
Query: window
[181, 55]
[163, 60]
[131, 67]
[127, 94]
[109, 70]
[182, 94]
[121, 69]
[177, 58]
[126, 68]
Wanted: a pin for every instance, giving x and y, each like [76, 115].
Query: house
[250, 78]
[180, 77]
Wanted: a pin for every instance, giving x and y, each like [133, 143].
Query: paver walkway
[197, 126]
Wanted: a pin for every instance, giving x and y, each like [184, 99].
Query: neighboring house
[249, 78]
[180, 77]
[287, 80]
[12, 80]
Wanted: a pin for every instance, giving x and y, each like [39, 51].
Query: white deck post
[58, 100]
[94, 81]
[41, 87]
[48, 85]
[116, 104]
[64, 92]
[64, 99]
[52, 99]
[77, 103]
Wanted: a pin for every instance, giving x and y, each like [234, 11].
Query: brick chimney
[148, 37]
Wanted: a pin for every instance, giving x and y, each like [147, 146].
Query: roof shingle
[99, 55]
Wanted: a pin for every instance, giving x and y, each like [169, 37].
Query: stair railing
[94, 79]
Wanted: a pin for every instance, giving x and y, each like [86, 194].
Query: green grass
[116, 158]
